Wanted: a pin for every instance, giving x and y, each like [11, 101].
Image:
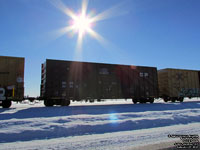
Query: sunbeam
[110, 13]
[82, 24]
[98, 37]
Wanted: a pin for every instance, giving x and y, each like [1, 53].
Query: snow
[101, 125]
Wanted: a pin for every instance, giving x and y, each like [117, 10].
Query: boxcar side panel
[148, 83]
[199, 77]
[88, 81]
[81, 81]
[107, 81]
[179, 83]
[12, 75]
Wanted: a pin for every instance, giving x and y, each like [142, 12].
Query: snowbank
[96, 126]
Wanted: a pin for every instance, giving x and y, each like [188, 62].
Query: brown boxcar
[63, 81]
[199, 77]
[11, 80]
[175, 84]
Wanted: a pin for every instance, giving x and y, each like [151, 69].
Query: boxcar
[11, 80]
[63, 81]
[176, 84]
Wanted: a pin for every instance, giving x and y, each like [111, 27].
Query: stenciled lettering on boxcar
[190, 92]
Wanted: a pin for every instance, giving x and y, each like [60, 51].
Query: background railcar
[63, 81]
[176, 84]
[11, 80]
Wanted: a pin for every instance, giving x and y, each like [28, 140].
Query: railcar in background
[11, 80]
[176, 84]
[65, 81]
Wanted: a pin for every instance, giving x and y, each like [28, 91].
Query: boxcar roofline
[12, 57]
[177, 69]
[99, 63]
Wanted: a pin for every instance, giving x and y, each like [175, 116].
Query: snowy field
[99, 126]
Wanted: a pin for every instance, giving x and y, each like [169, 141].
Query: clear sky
[160, 33]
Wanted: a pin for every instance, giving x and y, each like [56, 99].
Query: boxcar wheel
[143, 100]
[134, 101]
[48, 103]
[91, 101]
[6, 104]
[173, 99]
[65, 102]
[151, 100]
[165, 99]
[180, 99]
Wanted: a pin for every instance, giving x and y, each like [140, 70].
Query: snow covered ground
[99, 126]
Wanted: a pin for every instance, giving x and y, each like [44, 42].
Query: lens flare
[82, 23]
[113, 118]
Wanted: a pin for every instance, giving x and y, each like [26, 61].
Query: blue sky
[160, 33]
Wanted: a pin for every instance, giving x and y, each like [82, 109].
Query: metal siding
[133, 79]
[178, 83]
[12, 74]
[148, 83]
[124, 81]
[163, 82]
[89, 81]
[97, 81]
[199, 77]
[107, 81]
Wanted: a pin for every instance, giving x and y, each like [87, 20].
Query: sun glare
[82, 24]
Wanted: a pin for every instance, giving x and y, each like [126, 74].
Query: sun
[82, 24]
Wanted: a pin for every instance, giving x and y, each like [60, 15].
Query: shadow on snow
[35, 112]
[60, 130]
